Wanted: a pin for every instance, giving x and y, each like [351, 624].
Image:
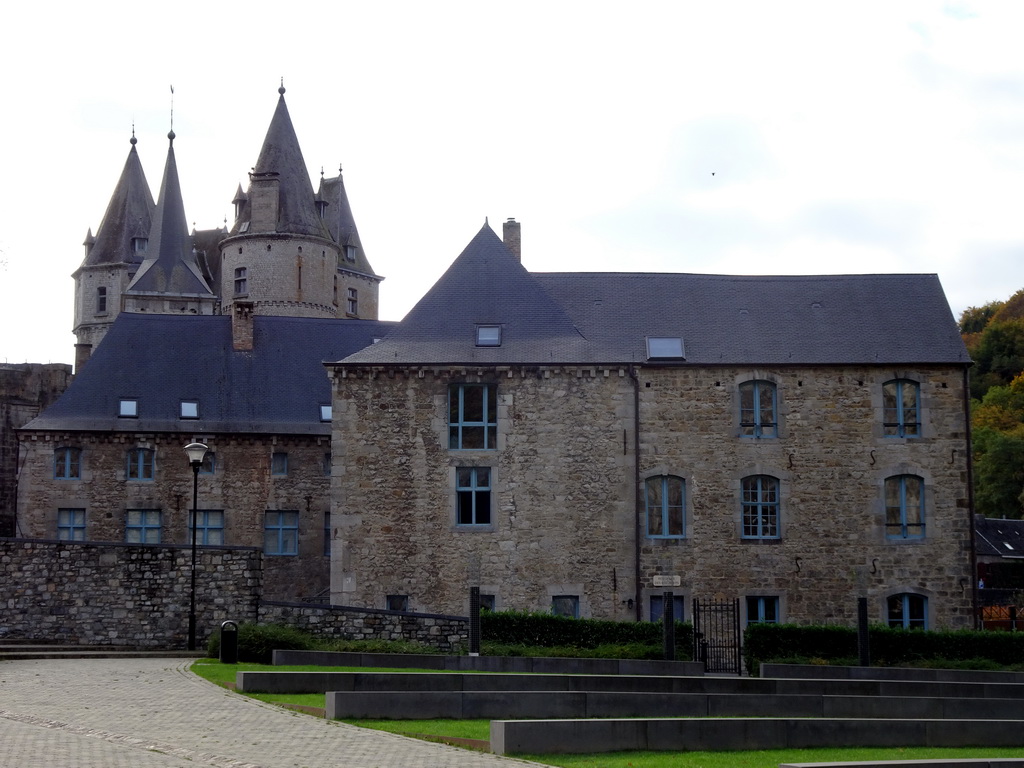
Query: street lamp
[196, 453]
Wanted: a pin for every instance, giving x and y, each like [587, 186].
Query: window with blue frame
[281, 532]
[71, 524]
[758, 409]
[67, 463]
[908, 611]
[209, 527]
[473, 416]
[140, 463]
[566, 605]
[658, 607]
[904, 507]
[209, 465]
[279, 463]
[142, 526]
[762, 610]
[473, 494]
[760, 502]
[901, 411]
[666, 506]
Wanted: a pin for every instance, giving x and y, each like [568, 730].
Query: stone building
[216, 336]
[584, 443]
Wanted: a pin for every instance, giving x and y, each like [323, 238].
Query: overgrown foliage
[788, 643]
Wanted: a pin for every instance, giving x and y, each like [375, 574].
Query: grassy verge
[222, 674]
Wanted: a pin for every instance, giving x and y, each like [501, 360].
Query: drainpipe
[638, 597]
[970, 499]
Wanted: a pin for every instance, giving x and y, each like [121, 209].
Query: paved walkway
[154, 713]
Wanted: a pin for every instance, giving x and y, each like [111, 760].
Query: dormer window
[350, 253]
[488, 335]
[665, 348]
[140, 244]
[321, 208]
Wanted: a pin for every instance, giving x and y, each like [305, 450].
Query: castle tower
[170, 279]
[112, 257]
[291, 252]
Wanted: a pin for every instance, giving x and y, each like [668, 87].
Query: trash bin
[229, 642]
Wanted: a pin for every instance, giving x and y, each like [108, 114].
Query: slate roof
[164, 359]
[592, 318]
[342, 224]
[999, 538]
[128, 216]
[280, 156]
[170, 266]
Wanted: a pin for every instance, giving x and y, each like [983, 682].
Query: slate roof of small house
[999, 538]
[593, 318]
[161, 360]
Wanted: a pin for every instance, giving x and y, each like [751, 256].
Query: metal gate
[716, 635]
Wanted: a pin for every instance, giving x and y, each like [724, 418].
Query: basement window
[665, 348]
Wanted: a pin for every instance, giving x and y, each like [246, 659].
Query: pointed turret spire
[170, 266]
[342, 224]
[121, 236]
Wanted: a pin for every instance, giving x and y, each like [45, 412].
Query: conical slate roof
[281, 157]
[485, 285]
[128, 216]
[342, 225]
[170, 266]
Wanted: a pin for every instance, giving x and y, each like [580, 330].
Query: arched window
[666, 506]
[760, 502]
[757, 409]
[901, 408]
[904, 507]
[907, 611]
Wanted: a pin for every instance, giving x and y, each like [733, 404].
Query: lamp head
[196, 452]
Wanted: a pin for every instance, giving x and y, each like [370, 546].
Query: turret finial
[134, 141]
[281, 89]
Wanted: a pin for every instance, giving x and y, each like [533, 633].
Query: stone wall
[24, 391]
[242, 485]
[566, 505]
[111, 594]
[449, 634]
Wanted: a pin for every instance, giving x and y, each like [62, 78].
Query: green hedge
[889, 646]
[510, 628]
[257, 642]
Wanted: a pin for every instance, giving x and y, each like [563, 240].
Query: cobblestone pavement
[154, 713]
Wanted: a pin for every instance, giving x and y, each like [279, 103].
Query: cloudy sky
[724, 137]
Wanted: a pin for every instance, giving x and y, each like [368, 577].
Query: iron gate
[716, 634]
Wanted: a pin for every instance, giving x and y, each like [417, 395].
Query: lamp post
[196, 453]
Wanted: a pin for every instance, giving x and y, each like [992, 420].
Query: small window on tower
[352, 304]
[241, 281]
[350, 253]
[101, 300]
[140, 244]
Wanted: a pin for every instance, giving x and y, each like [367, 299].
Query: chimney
[241, 326]
[510, 234]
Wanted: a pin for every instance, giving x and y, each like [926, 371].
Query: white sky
[715, 136]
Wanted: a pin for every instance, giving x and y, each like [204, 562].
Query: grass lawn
[216, 672]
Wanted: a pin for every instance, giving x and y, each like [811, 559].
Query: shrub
[257, 642]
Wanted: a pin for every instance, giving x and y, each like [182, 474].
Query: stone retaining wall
[447, 633]
[119, 594]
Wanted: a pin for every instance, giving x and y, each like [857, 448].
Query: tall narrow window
[281, 533]
[140, 463]
[71, 524]
[473, 489]
[101, 300]
[209, 527]
[67, 463]
[241, 281]
[142, 526]
[762, 610]
[666, 515]
[904, 507]
[757, 409]
[352, 301]
[760, 507]
[327, 534]
[901, 408]
[908, 611]
[472, 416]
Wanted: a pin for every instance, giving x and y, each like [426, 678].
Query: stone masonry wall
[24, 391]
[565, 504]
[109, 594]
[242, 485]
[449, 634]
